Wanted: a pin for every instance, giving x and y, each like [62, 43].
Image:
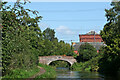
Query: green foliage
[60, 64]
[88, 58]
[109, 64]
[65, 49]
[19, 37]
[90, 65]
[101, 50]
[21, 73]
[49, 34]
[50, 72]
[51, 46]
[111, 37]
[86, 52]
[23, 41]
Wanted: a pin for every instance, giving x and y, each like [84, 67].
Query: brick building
[92, 38]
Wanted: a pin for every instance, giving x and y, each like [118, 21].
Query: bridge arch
[48, 59]
[60, 60]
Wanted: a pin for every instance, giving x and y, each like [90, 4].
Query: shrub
[86, 52]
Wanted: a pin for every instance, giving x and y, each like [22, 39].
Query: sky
[65, 0]
[69, 19]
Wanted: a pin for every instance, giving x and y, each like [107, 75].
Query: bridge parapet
[48, 59]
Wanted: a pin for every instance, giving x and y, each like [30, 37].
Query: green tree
[0, 38]
[52, 46]
[49, 34]
[64, 49]
[111, 36]
[19, 38]
[86, 52]
[48, 49]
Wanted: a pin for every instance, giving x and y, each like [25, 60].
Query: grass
[22, 73]
[50, 72]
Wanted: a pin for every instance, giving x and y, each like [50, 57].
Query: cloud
[64, 30]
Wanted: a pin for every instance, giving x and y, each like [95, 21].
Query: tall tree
[111, 37]
[49, 34]
[19, 37]
[0, 37]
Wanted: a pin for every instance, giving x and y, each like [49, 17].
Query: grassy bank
[50, 72]
[22, 73]
[91, 65]
[27, 73]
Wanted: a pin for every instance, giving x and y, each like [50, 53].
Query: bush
[91, 65]
[22, 73]
[86, 52]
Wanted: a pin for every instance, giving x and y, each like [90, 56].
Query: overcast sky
[69, 19]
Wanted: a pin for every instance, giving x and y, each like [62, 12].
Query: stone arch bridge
[48, 59]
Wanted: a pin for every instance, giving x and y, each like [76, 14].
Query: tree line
[111, 36]
[23, 41]
[107, 61]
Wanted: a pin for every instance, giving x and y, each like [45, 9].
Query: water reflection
[66, 74]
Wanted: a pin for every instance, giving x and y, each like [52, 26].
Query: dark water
[66, 74]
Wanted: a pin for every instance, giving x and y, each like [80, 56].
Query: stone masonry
[48, 59]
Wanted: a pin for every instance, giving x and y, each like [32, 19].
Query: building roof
[96, 45]
[87, 38]
[92, 32]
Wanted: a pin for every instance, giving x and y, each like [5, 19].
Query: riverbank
[22, 73]
[41, 71]
[91, 65]
[50, 72]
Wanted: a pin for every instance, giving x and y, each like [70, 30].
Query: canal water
[66, 74]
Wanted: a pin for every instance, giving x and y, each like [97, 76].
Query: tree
[48, 49]
[23, 41]
[0, 39]
[86, 52]
[52, 46]
[49, 34]
[20, 34]
[111, 36]
[64, 49]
